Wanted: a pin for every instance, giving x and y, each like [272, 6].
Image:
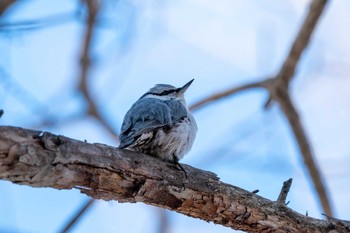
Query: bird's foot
[178, 167]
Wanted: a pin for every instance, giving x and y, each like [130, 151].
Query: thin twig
[227, 93]
[255, 191]
[284, 191]
[68, 227]
[85, 62]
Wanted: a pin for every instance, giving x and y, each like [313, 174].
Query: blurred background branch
[68, 227]
[278, 89]
[228, 93]
[50, 21]
[4, 4]
[93, 7]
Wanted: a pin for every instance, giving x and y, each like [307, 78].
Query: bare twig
[284, 191]
[68, 227]
[255, 191]
[45, 160]
[85, 62]
[227, 93]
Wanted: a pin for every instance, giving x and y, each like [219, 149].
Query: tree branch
[227, 93]
[287, 70]
[45, 160]
[279, 92]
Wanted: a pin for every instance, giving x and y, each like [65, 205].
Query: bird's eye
[167, 92]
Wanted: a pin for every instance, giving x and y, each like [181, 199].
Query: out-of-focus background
[136, 44]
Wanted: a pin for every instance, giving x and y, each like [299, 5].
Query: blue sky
[220, 44]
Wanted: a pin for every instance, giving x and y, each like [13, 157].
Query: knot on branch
[278, 89]
[50, 141]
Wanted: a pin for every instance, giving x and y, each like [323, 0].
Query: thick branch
[102, 172]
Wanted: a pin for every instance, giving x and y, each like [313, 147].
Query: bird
[160, 124]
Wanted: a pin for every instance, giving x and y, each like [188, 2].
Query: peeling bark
[46, 160]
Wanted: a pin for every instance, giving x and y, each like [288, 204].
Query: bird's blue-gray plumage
[147, 115]
[159, 124]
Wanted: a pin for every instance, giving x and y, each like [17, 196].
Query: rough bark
[45, 160]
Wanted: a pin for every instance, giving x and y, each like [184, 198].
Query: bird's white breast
[178, 140]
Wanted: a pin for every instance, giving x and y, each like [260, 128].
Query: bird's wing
[144, 116]
[178, 110]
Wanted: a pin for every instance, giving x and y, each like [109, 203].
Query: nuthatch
[160, 124]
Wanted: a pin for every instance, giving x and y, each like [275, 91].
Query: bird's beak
[185, 87]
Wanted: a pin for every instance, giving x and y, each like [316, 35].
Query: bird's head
[167, 92]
